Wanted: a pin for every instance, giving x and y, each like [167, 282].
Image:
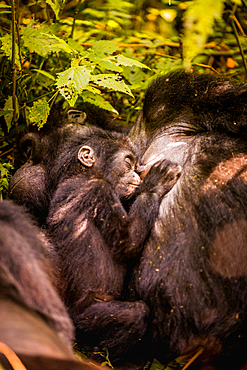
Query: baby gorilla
[96, 239]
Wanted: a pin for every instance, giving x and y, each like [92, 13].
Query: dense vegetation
[105, 52]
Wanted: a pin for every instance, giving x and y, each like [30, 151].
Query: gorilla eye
[129, 161]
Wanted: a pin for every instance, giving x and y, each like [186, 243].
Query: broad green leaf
[40, 38]
[156, 365]
[61, 44]
[104, 46]
[97, 100]
[135, 76]
[199, 25]
[71, 82]
[5, 9]
[8, 109]
[128, 62]
[7, 49]
[56, 6]
[111, 82]
[110, 66]
[46, 74]
[76, 46]
[94, 13]
[120, 5]
[39, 112]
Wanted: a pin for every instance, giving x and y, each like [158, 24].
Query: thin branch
[75, 17]
[7, 152]
[239, 44]
[198, 353]
[14, 70]
[239, 26]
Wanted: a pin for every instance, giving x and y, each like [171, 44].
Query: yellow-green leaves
[199, 21]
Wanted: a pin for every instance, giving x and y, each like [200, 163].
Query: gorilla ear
[87, 156]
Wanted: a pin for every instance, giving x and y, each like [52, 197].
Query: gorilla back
[193, 271]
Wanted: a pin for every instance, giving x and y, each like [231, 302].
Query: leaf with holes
[71, 82]
[112, 82]
[127, 62]
[40, 39]
[7, 49]
[8, 109]
[104, 46]
[39, 112]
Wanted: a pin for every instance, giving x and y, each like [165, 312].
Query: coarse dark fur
[193, 271]
[96, 238]
[192, 274]
[34, 322]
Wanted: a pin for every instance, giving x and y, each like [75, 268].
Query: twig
[198, 353]
[167, 43]
[14, 71]
[75, 17]
[205, 66]
[237, 37]
[13, 359]
[239, 26]
[7, 152]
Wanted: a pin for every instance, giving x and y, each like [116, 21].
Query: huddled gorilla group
[144, 236]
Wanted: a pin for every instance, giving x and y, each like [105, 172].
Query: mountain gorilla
[94, 237]
[192, 274]
[193, 270]
[34, 323]
[32, 186]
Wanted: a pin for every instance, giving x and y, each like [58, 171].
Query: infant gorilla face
[123, 170]
[119, 169]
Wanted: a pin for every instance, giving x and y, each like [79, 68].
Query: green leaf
[62, 45]
[128, 62]
[97, 100]
[156, 365]
[76, 46]
[135, 76]
[40, 39]
[106, 64]
[46, 74]
[112, 82]
[56, 6]
[198, 25]
[39, 113]
[5, 9]
[71, 82]
[8, 109]
[7, 49]
[94, 13]
[104, 46]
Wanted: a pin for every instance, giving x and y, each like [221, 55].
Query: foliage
[106, 52]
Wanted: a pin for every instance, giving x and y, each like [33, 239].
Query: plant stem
[15, 123]
[75, 16]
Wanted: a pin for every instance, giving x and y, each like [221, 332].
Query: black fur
[192, 274]
[193, 271]
[96, 238]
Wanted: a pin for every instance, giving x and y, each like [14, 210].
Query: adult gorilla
[193, 271]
